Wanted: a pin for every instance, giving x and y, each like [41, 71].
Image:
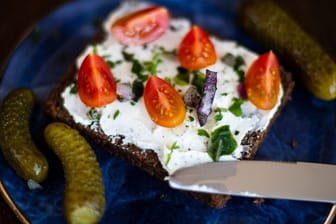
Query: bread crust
[148, 160]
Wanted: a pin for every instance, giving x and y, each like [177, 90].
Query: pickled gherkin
[16, 141]
[84, 197]
[268, 23]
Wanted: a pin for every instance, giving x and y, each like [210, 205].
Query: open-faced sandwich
[163, 94]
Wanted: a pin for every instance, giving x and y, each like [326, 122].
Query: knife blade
[264, 179]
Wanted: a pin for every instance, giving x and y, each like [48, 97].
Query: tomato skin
[95, 82]
[196, 50]
[142, 26]
[163, 103]
[262, 81]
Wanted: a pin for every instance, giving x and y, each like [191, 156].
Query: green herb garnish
[151, 66]
[116, 114]
[127, 56]
[142, 71]
[202, 132]
[182, 77]
[198, 80]
[94, 114]
[73, 89]
[172, 28]
[218, 115]
[112, 64]
[171, 149]
[235, 107]
[221, 143]
[168, 79]
[137, 69]
[238, 63]
[137, 89]
[166, 52]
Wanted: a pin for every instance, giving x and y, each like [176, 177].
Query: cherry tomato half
[196, 50]
[262, 81]
[95, 82]
[142, 26]
[163, 103]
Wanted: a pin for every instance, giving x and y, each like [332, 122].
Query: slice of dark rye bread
[147, 159]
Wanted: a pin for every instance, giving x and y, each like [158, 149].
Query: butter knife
[264, 179]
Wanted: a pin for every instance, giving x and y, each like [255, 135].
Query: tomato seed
[205, 54]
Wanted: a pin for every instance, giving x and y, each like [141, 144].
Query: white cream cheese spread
[183, 145]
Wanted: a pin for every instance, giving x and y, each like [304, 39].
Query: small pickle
[269, 24]
[16, 141]
[84, 197]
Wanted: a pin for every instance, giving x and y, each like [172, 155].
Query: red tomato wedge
[95, 83]
[163, 103]
[196, 50]
[142, 26]
[262, 81]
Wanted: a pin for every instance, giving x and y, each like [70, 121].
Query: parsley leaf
[235, 107]
[198, 80]
[203, 132]
[221, 143]
[191, 118]
[137, 89]
[182, 77]
[137, 69]
[143, 70]
[218, 115]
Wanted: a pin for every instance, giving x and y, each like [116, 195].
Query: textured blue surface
[132, 195]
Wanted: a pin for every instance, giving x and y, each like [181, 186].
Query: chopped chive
[116, 114]
[171, 149]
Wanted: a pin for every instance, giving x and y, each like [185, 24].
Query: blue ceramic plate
[132, 195]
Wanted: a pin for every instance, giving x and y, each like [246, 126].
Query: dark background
[17, 17]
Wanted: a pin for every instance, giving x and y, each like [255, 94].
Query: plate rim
[3, 67]
[12, 205]
[4, 193]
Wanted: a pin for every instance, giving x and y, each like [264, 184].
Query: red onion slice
[205, 107]
[124, 91]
